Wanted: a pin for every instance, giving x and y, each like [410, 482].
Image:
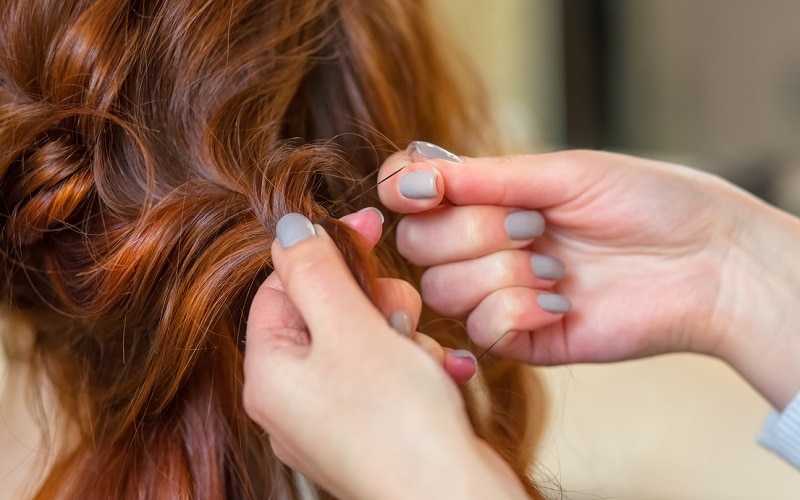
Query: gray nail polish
[293, 228]
[418, 185]
[547, 268]
[463, 353]
[524, 225]
[402, 322]
[428, 150]
[383, 219]
[554, 303]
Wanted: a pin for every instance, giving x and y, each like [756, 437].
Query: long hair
[147, 150]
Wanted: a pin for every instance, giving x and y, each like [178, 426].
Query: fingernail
[524, 225]
[463, 353]
[428, 150]
[554, 303]
[293, 228]
[376, 210]
[418, 185]
[547, 268]
[402, 322]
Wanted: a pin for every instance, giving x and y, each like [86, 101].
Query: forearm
[757, 313]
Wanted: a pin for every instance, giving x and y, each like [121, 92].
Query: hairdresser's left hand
[348, 401]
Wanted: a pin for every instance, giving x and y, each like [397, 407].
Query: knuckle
[513, 309]
[471, 230]
[410, 293]
[474, 225]
[430, 282]
[504, 268]
[478, 330]
[408, 235]
[398, 292]
[405, 289]
[434, 287]
[505, 161]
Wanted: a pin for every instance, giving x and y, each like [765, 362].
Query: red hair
[147, 150]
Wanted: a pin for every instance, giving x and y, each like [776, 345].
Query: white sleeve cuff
[781, 433]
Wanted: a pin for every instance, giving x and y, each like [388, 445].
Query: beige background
[677, 427]
[673, 427]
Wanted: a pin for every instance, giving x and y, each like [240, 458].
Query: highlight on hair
[147, 150]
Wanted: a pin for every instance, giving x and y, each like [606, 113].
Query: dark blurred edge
[587, 62]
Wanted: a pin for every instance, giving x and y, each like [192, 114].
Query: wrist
[466, 469]
[756, 318]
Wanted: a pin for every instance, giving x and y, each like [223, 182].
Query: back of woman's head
[147, 150]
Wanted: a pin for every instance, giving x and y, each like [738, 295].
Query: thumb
[368, 222]
[274, 320]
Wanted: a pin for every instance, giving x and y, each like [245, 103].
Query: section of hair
[147, 149]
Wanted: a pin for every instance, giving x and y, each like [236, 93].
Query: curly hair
[147, 150]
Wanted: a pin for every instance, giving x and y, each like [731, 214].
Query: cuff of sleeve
[781, 433]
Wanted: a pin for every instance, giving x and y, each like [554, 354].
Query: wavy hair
[147, 149]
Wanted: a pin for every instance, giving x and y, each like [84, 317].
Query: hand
[348, 401]
[658, 258]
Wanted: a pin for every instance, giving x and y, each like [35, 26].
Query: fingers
[454, 289]
[318, 288]
[504, 313]
[408, 186]
[400, 304]
[321, 287]
[448, 234]
[528, 181]
[274, 322]
[461, 365]
[369, 224]
[277, 318]
[479, 245]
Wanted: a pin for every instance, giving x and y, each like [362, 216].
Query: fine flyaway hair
[147, 150]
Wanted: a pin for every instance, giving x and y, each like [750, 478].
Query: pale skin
[659, 258]
[356, 399]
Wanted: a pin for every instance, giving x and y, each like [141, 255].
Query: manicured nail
[292, 229]
[547, 268]
[524, 225]
[376, 210]
[463, 353]
[554, 303]
[428, 150]
[418, 185]
[402, 322]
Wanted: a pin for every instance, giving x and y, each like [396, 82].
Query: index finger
[524, 181]
[408, 186]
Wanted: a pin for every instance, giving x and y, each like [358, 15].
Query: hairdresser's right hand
[656, 258]
[357, 407]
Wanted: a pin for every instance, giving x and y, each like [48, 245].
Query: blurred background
[714, 84]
